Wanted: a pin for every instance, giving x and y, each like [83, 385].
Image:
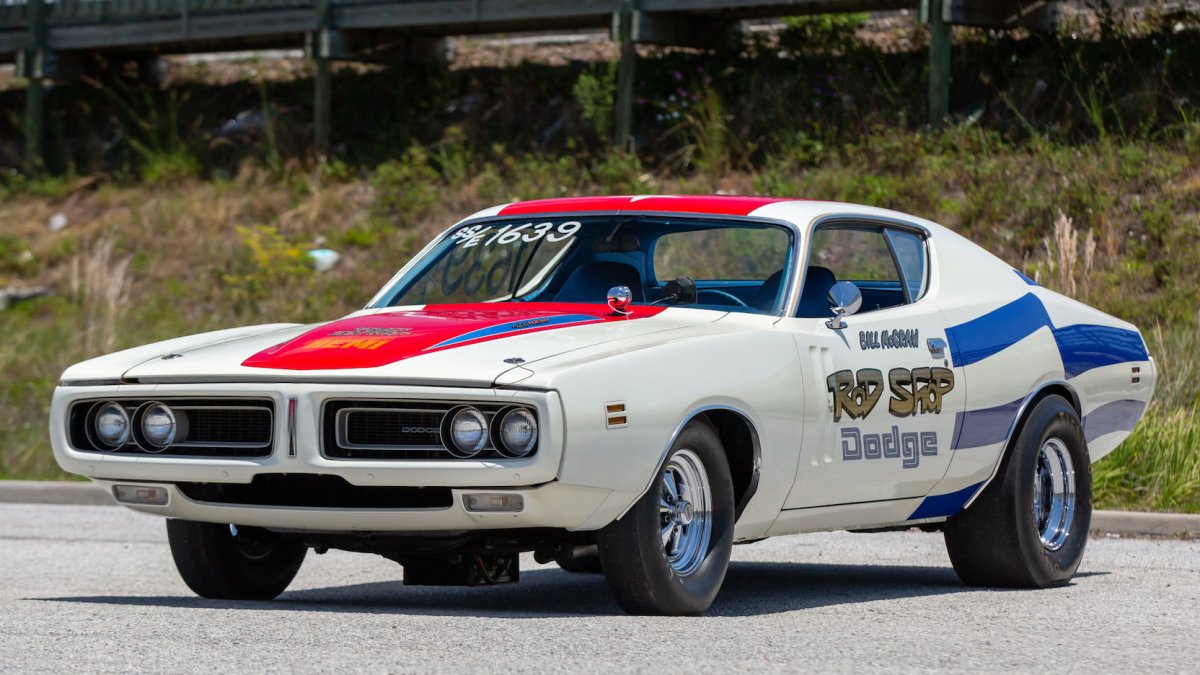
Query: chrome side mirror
[844, 299]
[619, 298]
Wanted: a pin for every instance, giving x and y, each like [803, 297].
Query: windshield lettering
[528, 233]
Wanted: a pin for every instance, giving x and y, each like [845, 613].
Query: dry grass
[100, 285]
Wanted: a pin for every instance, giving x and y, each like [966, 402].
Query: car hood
[452, 345]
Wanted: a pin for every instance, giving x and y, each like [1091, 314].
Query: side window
[854, 255]
[889, 266]
[910, 255]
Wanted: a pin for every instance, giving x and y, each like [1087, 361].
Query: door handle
[937, 346]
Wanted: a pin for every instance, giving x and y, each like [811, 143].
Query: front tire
[1029, 527]
[223, 563]
[669, 553]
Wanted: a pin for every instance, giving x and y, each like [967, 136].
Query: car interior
[865, 255]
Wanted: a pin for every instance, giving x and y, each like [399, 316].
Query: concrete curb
[1123, 523]
[1136, 524]
[53, 492]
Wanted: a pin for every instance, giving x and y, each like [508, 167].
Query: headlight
[159, 426]
[466, 432]
[110, 423]
[518, 433]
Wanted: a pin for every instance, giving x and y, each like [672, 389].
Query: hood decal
[379, 339]
[502, 329]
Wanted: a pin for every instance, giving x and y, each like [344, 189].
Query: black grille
[394, 429]
[314, 491]
[228, 425]
[223, 427]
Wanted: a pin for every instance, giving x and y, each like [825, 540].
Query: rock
[12, 295]
[324, 258]
[58, 221]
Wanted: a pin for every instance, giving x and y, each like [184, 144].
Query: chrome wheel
[685, 512]
[1054, 494]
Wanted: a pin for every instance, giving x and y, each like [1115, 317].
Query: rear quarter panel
[1014, 338]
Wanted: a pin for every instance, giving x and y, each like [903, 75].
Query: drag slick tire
[223, 562]
[669, 553]
[1029, 527]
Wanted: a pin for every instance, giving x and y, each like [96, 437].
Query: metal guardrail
[14, 13]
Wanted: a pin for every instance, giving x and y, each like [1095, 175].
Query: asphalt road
[93, 588]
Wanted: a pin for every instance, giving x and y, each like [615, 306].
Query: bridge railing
[14, 14]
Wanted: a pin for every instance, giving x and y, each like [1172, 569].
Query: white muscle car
[629, 385]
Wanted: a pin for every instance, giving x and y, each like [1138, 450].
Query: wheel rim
[1054, 494]
[685, 512]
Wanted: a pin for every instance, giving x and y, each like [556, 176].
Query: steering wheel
[737, 301]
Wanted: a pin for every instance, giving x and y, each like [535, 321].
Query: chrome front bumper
[297, 451]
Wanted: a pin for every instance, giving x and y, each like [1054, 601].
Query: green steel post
[35, 91]
[623, 126]
[323, 80]
[939, 61]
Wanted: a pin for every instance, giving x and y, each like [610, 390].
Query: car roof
[801, 214]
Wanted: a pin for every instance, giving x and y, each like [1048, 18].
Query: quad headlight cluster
[513, 431]
[153, 426]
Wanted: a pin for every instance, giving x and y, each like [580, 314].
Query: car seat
[766, 294]
[814, 299]
[590, 282]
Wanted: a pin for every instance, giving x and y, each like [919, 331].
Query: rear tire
[253, 565]
[1029, 527]
[669, 553]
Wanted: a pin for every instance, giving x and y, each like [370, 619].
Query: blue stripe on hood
[516, 327]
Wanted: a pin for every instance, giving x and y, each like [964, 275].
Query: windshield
[736, 265]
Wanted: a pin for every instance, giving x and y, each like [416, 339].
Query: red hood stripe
[380, 339]
[709, 204]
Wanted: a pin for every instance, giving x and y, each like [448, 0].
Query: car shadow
[750, 589]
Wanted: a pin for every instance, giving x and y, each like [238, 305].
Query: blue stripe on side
[977, 428]
[996, 331]
[936, 506]
[1120, 415]
[1026, 279]
[1081, 346]
[1084, 347]
[516, 327]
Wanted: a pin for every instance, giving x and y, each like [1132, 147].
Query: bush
[405, 189]
[595, 93]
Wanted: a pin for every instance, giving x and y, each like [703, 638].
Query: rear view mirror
[682, 291]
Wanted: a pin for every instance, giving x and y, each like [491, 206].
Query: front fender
[662, 388]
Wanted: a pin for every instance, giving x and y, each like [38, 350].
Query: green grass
[1158, 467]
[197, 255]
[1155, 469]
